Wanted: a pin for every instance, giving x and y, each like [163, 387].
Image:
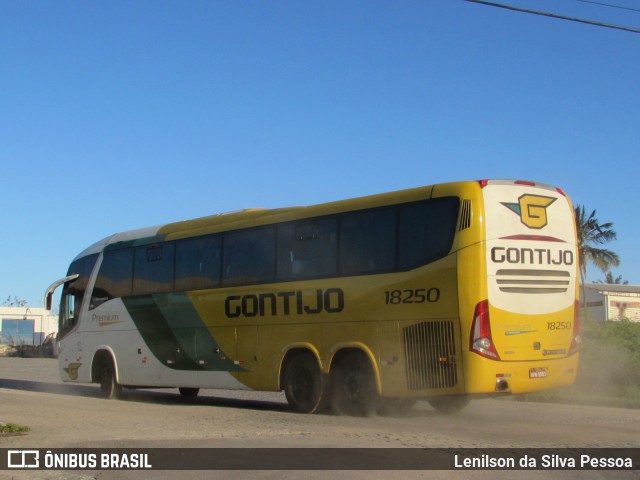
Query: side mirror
[48, 295]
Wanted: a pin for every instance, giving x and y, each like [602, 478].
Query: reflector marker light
[575, 342]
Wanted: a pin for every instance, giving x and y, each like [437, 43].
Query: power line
[553, 15]
[610, 5]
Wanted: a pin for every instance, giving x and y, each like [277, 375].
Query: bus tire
[188, 393]
[353, 386]
[450, 404]
[109, 386]
[303, 384]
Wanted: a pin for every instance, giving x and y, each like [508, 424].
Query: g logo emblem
[532, 210]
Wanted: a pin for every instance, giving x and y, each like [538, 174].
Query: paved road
[62, 415]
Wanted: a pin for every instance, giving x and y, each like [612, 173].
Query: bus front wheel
[354, 386]
[109, 387]
[303, 384]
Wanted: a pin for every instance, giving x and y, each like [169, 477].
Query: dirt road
[62, 415]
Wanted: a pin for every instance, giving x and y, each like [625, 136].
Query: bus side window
[307, 249]
[73, 292]
[249, 256]
[368, 242]
[114, 277]
[153, 268]
[68, 313]
[70, 306]
[198, 262]
[426, 231]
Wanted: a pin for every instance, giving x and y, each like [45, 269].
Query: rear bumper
[488, 376]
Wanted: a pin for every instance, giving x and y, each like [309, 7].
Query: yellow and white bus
[440, 293]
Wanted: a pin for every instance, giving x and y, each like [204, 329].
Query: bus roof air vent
[465, 215]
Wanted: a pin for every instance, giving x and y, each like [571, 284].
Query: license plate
[537, 372]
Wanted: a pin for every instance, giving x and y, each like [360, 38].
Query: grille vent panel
[533, 281]
[465, 215]
[430, 355]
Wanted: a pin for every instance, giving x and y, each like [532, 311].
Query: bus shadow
[172, 397]
[167, 397]
[46, 387]
[214, 398]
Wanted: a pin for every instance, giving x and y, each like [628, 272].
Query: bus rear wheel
[354, 386]
[303, 384]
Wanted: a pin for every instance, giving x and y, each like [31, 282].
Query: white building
[607, 301]
[26, 325]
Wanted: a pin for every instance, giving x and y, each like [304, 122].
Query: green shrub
[609, 369]
[12, 429]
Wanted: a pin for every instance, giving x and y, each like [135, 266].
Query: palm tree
[590, 234]
[609, 278]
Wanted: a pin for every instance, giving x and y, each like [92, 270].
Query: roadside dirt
[61, 415]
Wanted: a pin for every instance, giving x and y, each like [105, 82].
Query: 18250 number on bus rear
[558, 325]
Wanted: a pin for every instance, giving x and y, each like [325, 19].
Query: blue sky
[118, 115]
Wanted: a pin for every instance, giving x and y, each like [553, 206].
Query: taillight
[480, 340]
[575, 341]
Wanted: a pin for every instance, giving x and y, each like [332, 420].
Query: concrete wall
[26, 325]
[613, 302]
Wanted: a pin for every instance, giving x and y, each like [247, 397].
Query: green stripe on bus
[175, 333]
